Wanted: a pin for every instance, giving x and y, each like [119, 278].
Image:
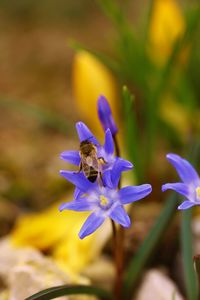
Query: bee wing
[95, 164]
[86, 169]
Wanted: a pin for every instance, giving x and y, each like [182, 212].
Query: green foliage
[56, 292]
[131, 130]
[152, 82]
[186, 245]
[146, 250]
[196, 261]
[43, 116]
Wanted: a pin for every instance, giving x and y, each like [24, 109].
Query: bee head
[86, 147]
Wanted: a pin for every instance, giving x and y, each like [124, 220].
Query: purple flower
[113, 166]
[190, 185]
[103, 201]
[105, 115]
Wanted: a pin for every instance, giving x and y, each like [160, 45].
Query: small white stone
[157, 286]
[26, 271]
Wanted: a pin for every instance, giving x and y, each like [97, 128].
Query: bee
[90, 163]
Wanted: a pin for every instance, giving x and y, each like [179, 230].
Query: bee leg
[100, 179]
[102, 160]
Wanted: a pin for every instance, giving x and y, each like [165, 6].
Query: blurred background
[36, 68]
[56, 57]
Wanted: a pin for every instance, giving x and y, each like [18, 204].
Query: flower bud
[105, 115]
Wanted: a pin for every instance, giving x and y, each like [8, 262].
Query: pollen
[104, 201]
[198, 192]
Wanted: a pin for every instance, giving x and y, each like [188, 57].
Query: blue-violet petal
[93, 222]
[105, 115]
[72, 157]
[79, 180]
[179, 187]
[119, 166]
[109, 144]
[185, 170]
[77, 205]
[120, 216]
[133, 193]
[84, 133]
[186, 205]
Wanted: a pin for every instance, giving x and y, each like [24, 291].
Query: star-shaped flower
[190, 185]
[103, 201]
[113, 166]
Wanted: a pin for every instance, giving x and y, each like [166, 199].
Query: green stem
[196, 260]
[186, 245]
[117, 150]
[118, 256]
[118, 245]
[133, 136]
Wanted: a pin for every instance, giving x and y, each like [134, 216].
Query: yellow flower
[58, 234]
[174, 114]
[91, 78]
[167, 24]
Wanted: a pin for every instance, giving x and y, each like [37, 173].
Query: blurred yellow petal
[34, 229]
[91, 78]
[73, 254]
[175, 115]
[167, 24]
[57, 233]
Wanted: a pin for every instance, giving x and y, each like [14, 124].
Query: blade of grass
[186, 245]
[129, 47]
[192, 288]
[131, 136]
[64, 290]
[150, 243]
[196, 260]
[45, 117]
[146, 20]
[115, 12]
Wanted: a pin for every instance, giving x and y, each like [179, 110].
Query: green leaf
[44, 116]
[150, 243]
[129, 47]
[64, 290]
[115, 12]
[131, 130]
[146, 20]
[196, 260]
[186, 245]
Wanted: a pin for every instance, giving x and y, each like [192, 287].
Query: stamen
[198, 192]
[103, 200]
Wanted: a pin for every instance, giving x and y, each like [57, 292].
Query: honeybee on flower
[90, 163]
[104, 198]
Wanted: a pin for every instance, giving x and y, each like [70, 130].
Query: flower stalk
[119, 242]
